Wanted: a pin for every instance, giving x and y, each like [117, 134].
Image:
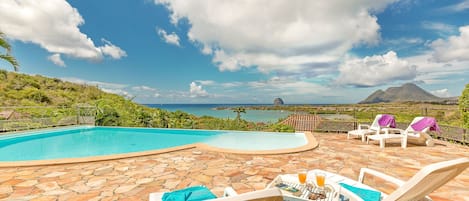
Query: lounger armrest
[229, 192]
[363, 126]
[381, 175]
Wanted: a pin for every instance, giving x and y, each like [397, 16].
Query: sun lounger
[381, 121]
[425, 181]
[272, 194]
[416, 132]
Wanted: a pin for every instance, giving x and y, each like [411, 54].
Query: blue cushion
[194, 193]
[365, 194]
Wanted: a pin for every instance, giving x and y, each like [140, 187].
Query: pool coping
[312, 143]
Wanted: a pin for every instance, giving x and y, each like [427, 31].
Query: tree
[7, 57]
[464, 107]
[238, 111]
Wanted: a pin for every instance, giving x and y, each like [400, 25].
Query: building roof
[302, 122]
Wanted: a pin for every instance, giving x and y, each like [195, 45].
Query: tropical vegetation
[41, 97]
[57, 100]
[7, 56]
[464, 107]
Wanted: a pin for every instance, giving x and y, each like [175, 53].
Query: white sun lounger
[366, 129]
[409, 134]
[425, 181]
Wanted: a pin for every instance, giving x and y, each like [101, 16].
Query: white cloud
[405, 40]
[53, 25]
[288, 87]
[442, 28]
[441, 93]
[432, 72]
[205, 82]
[112, 50]
[266, 34]
[143, 88]
[375, 70]
[463, 5]
[455, 48]
[171, 38]
[197, 91]
[118, 92]
[56, 59]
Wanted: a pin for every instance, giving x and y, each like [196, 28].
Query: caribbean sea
[267, 116]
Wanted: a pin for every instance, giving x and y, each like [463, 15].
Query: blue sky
[245, 51]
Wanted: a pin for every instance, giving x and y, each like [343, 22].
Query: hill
[406, 93]
[55, 99]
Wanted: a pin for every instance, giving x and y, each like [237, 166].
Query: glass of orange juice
[302, 176]
[320, 179]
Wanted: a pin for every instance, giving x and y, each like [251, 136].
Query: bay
[267, 116]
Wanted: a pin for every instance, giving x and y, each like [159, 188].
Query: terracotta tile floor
[135, 178]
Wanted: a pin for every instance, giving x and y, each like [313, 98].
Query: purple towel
[387, 120]
[424, 123]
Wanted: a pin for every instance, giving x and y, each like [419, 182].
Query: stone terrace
[135, 178]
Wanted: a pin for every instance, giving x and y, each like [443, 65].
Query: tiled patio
[135, 178]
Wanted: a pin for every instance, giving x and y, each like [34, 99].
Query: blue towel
[194, 193]
[365, 194]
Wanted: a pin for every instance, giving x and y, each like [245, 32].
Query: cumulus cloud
[112, 50]
[441, 93]
[56, 59]
[197, 91]
[53, 25]
[171, 38]
[432, 72]
[375, 70]
[265, 34]
[455, 48]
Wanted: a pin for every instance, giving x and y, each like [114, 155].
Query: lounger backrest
[375, 124]
[271, 194]
[416, 119]
[429, 179]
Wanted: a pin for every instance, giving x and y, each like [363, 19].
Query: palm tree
[239, 110]
[7, 57]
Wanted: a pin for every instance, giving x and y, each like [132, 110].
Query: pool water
[98, 141]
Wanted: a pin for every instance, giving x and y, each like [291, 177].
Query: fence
[23, 118]
[448, 133]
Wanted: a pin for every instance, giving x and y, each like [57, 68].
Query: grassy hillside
[25, 90]
[110, 109]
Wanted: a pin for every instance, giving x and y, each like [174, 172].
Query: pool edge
[312, 143]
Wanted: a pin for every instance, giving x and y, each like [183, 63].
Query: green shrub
[464, 107]
[282, 128]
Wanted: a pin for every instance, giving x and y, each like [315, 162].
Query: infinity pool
[90, 141]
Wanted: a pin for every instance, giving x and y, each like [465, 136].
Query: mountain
[278, 101]
[405, 93]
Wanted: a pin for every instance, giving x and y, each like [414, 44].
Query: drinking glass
[302, 176]
[320, 179]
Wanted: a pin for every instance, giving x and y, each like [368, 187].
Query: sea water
[267, 116]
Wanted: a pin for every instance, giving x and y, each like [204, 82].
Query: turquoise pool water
[81, 142]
